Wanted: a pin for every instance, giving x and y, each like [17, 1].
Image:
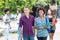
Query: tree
[14, 4]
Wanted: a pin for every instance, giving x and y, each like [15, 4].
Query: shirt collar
[26, 17]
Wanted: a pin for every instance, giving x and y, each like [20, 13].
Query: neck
[27, 16]
[41, 17]
[50, 16]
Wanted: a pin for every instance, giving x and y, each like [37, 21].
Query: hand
[21, 33]
[34, 33]
[40, 28]
[9, 20]
[21, 36]
[46, 27]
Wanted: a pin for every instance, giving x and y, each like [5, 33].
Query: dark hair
[40, 8]
[19, 10]
[6, 10]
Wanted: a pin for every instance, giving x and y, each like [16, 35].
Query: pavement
[56, 35]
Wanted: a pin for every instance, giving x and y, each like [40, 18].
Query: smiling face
[49, 12]
[26, 11]
[41, 12]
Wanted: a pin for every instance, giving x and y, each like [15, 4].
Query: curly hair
[40, 8]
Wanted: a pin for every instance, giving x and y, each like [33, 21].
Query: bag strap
[46, 20]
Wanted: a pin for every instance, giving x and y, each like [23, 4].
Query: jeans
[18, 32]
[7, 31]
[28, 37]
[42, 38]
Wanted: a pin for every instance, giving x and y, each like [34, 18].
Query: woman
[52, 20]
[7, 20]
[18, 18]
[40, 25]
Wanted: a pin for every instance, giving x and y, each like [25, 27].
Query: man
[27, 25]
[53, 8]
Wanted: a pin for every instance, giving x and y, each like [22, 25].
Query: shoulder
[32, 16]
[22, 17]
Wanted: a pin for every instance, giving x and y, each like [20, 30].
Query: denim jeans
[28, 37]
[7, 31]
[18, 32]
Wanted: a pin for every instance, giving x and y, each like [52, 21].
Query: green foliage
[14, 4]
[58, 1]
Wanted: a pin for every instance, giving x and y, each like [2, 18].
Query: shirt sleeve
[20, 22]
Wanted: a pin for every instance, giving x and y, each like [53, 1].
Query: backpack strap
[46, 20]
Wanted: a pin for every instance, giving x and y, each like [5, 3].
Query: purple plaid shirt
[27, 24]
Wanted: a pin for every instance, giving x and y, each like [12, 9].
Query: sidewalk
[14, 37]
[11, 37]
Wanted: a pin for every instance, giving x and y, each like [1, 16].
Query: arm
[39, 28]
[33, 29]
[20, 25]
[9, 20]
[54, 21]
[21, 32]
[33, 26]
